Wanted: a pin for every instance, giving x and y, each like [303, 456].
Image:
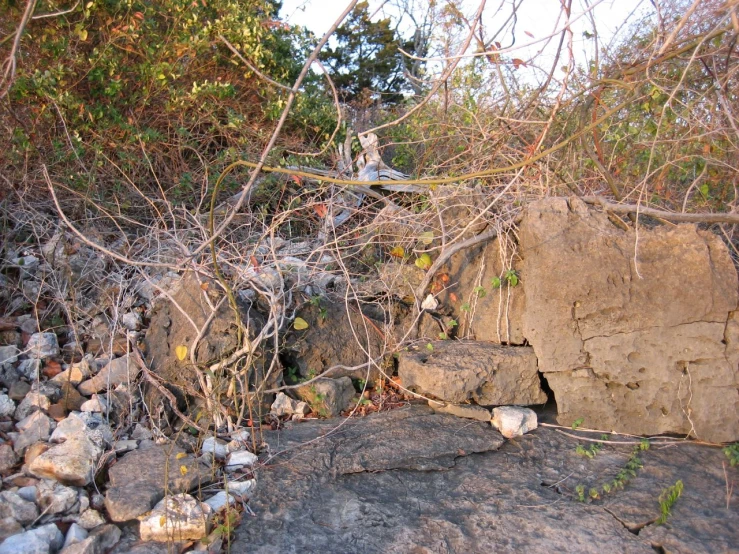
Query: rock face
[632, 335]
[173, 324]
[335, 337]
[496, 313]
[138, 480]
[459, 371]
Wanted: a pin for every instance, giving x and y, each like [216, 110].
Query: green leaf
[704, 190]
[430, 347]
[579, 421]
[299, 324]
[480, 291]
[495, 283]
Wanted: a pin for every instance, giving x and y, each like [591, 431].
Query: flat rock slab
[138, 479]
[514, 497]
[459, 371]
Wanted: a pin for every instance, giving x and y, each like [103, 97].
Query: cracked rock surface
[414, 481]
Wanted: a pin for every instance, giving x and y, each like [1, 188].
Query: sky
[536, 19]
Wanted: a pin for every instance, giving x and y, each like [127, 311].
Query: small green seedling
[667, 500]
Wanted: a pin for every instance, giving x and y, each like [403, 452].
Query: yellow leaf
[183, 470]
[180, 455]
[83, 35]
[181, 352]
[427, 237]
[398, 252]
[162, 521]
[423, 262]
[299, 324]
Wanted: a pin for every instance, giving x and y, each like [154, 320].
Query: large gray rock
[138, 480]
[518, 498]
[632, 335]
[459, 371]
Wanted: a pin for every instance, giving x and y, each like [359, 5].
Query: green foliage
[365, 58]
[591, 451]
[732, 453]
[144, 91]
[667, 500]
[577, 423]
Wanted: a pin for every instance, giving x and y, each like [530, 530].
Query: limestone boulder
[495, 312]
[633, 331]
[484, 372]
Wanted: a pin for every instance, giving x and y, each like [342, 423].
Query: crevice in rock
[633, 529]
[659, 549]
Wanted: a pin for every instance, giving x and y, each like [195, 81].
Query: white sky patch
[535, 20]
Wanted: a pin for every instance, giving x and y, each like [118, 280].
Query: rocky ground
[412, 480]
[136, 415]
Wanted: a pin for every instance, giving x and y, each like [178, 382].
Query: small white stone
[32, 402]
[241, 487]
[125, 446]
[216, 446]
[283, 405]
[30, 369]
[42, 346]
[241, 458]
[8, 354]
[7, 406]
[429, 303]
[55, 498]
[96, 404]
[176, 518]
[90, 519]
[513, 421]
[28, 493]
[75, 534]
[13, 506]
[218, 501]
[131, 321]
